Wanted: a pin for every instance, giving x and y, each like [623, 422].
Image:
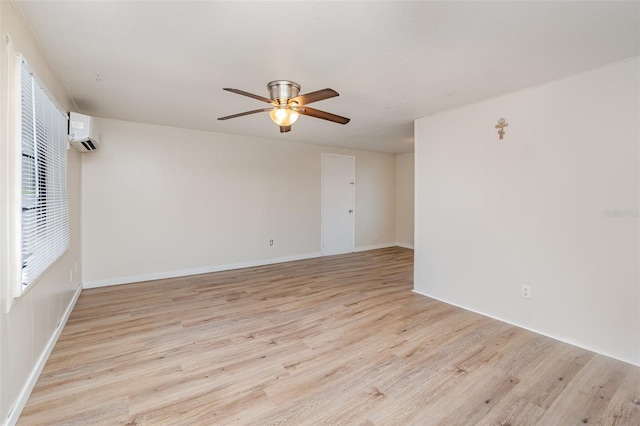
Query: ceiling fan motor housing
[283, 90]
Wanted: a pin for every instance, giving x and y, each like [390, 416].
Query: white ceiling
[392, 62]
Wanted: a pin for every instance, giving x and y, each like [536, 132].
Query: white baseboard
[24, 394]
[383, 245]
[405, 245]
[374, 247]
[567, 341]
[196, 271]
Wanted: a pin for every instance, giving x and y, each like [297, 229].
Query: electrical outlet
[526, 292]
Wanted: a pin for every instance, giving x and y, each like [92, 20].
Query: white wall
[29, 330]
[161, 201]
[404, 199]
[531, 209]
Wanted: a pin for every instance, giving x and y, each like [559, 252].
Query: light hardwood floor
[335, 340]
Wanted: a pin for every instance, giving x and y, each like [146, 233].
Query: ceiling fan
[288, 105]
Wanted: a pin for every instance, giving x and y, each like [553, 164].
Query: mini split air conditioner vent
[83, 133]
[88, 145]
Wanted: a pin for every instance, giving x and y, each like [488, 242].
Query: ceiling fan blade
[251, 95]
[324, 115]
[319, 95]
[255, 111]
[285, 129]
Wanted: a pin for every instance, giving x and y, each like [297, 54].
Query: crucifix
[502, 123]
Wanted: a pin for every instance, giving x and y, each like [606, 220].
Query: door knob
[350, 211]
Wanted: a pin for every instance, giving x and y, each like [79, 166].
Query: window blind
[45, 212]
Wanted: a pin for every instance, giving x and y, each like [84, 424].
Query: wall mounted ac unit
[83, 133]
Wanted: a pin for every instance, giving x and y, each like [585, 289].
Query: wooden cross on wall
[502, 123]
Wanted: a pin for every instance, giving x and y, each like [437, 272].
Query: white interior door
[338, 213]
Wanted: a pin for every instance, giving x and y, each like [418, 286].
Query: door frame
[322, 200]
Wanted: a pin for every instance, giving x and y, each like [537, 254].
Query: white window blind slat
[45, 212]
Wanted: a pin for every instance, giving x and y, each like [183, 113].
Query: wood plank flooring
[335, 340]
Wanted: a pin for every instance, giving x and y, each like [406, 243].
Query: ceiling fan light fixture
[283, 116]
[287, 104]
